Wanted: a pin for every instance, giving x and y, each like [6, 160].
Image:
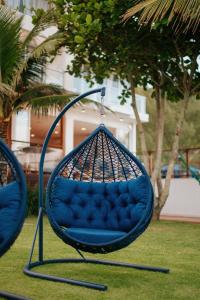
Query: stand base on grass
[10, 296]
[28, 271]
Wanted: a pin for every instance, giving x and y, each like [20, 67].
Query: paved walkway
[180, 218]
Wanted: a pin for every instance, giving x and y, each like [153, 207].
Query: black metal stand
[96, 286]
[10, 296]
[101, 287]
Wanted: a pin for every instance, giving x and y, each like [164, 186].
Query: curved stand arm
[41, 164]
[48, 136]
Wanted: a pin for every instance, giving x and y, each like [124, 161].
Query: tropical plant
[184, 15]
[22, 63]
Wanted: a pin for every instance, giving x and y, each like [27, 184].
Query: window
[39, 127]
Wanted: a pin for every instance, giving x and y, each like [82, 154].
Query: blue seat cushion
[9, 207]
[97, 236]
[116, 206]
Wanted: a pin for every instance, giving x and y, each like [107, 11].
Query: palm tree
[21, 67]
[183, 14]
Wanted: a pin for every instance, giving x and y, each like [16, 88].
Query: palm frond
[41, 91]
[138, 7]
[53, 103]
[42, 21]
[10, 46]
[96, 104]
[45, 104]
[33, 73]
[48, 47]
[183, 14]
[6, 90]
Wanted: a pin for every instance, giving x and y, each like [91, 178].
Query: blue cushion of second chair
[9, 208]
[97, 236]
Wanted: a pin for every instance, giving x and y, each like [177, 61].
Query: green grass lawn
[167, 244]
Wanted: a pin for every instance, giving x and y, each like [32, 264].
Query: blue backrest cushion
[112, 206]
[9, 207]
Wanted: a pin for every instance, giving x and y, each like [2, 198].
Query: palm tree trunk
[4, 131]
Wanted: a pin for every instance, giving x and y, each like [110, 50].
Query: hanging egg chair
[12, 203]
[12, 198]
[99, 199]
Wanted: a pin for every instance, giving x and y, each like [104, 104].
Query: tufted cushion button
[99, 205]
[105, 219]
[76, 216]
[118, 218]
[90, 192]
[90, 218]
[133, 201]
[68, 201]
[82, 204]
[128, 215]
[112, 205]
[124, 203]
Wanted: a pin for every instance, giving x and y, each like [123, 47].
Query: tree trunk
[4, 127]
[160, 120]
[174, 153]
[157, 210]
[140, 126]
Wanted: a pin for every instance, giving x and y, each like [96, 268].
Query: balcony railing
[187, 163]
[113, 91]
[28, 155]
[54, 76]
[25, 6]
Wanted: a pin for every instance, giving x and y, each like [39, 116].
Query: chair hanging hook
[102, 109]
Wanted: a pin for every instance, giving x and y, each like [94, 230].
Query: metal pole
[41, 164]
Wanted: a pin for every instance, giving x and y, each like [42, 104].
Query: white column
[21, 129]
[68, 133]
[132, 138]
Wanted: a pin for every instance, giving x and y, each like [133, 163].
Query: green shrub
[33, 200]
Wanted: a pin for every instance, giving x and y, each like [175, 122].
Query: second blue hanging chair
[13, 201]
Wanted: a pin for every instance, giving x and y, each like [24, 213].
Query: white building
[28, 130]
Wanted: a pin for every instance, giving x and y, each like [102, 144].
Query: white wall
[184, 199]
[93, 116]
[21, 129]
